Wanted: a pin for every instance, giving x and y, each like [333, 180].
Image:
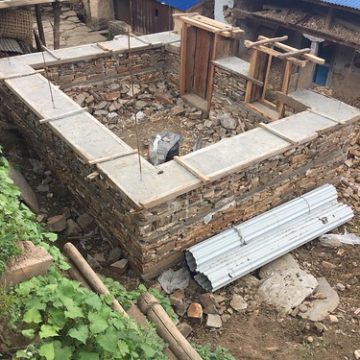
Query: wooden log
[166, 328]
[250, 44]
[76, 275]
[91, 277]
[294, 53]
[285, 47]
[56, 29]
[134, 311]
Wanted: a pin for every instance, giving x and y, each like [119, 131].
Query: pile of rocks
[156, 107]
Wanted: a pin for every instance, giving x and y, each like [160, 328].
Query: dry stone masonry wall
[152, 233]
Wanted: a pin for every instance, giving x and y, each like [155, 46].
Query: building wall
[155, 238]
[345, 77]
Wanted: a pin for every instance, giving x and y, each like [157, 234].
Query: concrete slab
[327, 106]
[165, 37]
[232, 153]
[155, 184]
[234, 64]
[302, 126]
[12, 66]
[87, 136]
[122, 43]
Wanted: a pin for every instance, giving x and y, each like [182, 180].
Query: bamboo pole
[166, 328]
[89, 274]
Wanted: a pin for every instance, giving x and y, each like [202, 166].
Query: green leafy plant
[207, 353]
[17, 222]
[66, 321]
[126, 298]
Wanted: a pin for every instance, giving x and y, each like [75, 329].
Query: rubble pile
[154, 107]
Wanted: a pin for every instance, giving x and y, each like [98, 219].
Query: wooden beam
[226, 30]
[294, 53]
[309, 57]
[189, 168]
[266, 76]
[285, 85]
[252, 71]
[210, 82]
[112, 157]
[183, 50]
[56, 29]
[250, 44]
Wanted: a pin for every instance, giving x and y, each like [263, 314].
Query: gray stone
[140, 104]
[321, 308]
[177, 300]
[112, 118]
[72, 228]
[84, 220]
[185, 329]
[57, 223]
[288, 289]
[228, 122]
[238, 303]
[43, 188]
[114, 254]
[101, 105]
[120, 266]
[285, 263]
[208, 302]
[214, 321]
[27, 194]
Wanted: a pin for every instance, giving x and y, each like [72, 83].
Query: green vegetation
[207, 353]
[126, 298]
[17, 222]
[61, 320]
[70, 322]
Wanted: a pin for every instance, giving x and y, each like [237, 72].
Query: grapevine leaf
[32, 316]
[97, 323]
[80, 333]
[28, 333]
[123, 347]
[47, 351]
[83, 355]
[47, 331]
[62, 352]
[108, 341]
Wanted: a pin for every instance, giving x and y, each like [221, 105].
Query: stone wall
[148, 62]
[172, 227]
[154, 238]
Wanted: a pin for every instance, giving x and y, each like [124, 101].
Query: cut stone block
[33, 261]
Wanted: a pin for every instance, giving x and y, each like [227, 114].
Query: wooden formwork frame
[221, 42]
[270, 48]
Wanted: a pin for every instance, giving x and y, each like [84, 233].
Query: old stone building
[330, 28]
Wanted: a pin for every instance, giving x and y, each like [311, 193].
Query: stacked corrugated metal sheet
[244, 248]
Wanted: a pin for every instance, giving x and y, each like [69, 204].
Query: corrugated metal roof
[250, 245]
[182, 5]
[354, 4]
[10, 45]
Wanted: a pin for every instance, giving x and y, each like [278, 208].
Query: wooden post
[266, 77]
[182, 70]
[285, 85]
[252, 73]
[166, 328]
[329, 18]
[40, 24]
[56, 30]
